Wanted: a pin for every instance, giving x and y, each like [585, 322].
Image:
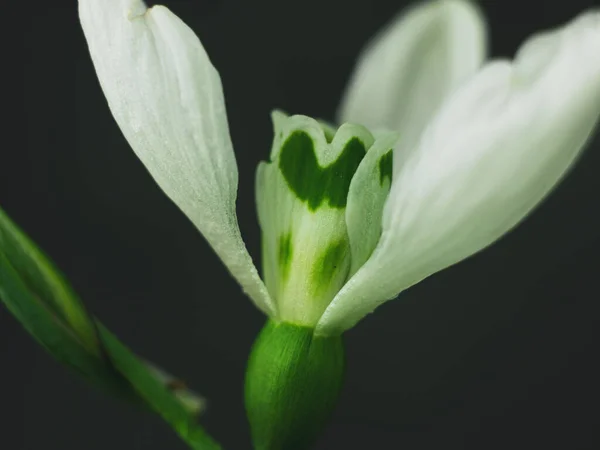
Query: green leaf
[39, 296]
[156, 394]
[192, 402]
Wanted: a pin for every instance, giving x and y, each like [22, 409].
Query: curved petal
[368, 191]
[410, 67]
[492, 153]
[167, 98]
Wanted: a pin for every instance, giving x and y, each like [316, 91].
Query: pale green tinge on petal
[412, 65]
[301, 198]
[366, 198]
[167, 98]
[491, 154]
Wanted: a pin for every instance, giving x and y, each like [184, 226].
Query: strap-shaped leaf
[155, 393]
[40, 297]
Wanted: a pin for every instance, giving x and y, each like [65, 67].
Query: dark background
[496, 352]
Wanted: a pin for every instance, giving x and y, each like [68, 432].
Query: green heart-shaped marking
[313, 183]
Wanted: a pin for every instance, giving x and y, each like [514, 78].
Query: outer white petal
[410, 67]
[167, 98]
[491, 154]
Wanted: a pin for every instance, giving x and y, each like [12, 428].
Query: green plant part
[386, 165]
[42, 300]
[457, 152]
[293, 381]
[285, 254]
[310, 181]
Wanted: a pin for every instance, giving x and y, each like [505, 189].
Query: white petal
[493, 152]
[366, 198]
[411, 66]
[168, 101]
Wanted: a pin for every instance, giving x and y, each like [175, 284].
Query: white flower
[475, 148]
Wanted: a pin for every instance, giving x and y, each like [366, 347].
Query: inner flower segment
[302, 194]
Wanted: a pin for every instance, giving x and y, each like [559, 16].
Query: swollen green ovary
[292, 385]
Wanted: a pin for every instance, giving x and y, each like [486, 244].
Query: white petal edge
[412, 65]
[167, 98]
[492, 153]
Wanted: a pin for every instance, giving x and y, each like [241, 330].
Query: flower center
[302, 195]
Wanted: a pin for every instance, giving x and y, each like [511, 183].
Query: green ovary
[292, 385]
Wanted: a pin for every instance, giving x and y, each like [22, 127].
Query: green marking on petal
[313, 183]
[285, 254]
[386, 163]
[327, 265]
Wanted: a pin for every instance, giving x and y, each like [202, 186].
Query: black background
[496, 352]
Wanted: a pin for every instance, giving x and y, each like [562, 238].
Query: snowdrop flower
[439, 154]
[468, 150]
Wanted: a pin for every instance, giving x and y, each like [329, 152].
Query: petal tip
[136, 9]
